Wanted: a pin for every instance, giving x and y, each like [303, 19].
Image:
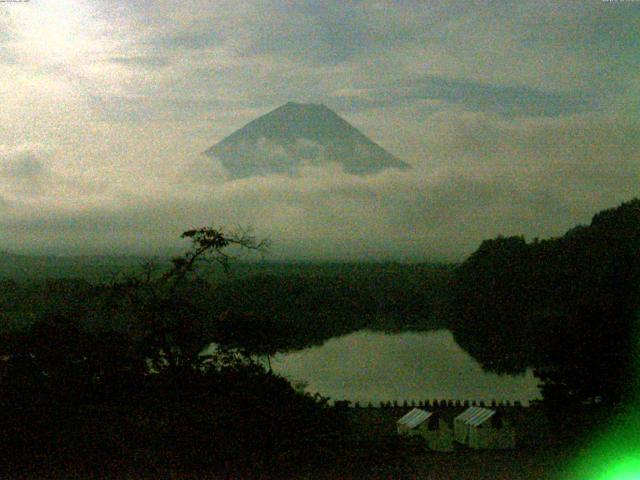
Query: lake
[370, 366]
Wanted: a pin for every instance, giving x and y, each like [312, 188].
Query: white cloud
[485, 176]
[102, 125]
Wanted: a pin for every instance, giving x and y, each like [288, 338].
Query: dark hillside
[566, 306]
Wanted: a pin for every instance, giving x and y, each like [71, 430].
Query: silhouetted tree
[171, 321]
[566, 306]
[82, 391]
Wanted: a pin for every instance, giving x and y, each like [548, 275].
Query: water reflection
[369, 366]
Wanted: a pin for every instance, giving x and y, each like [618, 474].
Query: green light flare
[624, 469]
[627, 469]
[615, 453]
[615, 456]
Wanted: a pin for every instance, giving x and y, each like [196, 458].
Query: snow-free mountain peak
[296, 134]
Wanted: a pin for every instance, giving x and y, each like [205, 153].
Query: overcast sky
[517, 118]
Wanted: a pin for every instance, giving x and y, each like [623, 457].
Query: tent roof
[414, 418]
[475, 416]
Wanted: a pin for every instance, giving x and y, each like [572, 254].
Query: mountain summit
[296, 134]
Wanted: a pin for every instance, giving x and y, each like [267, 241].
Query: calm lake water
[369, 366]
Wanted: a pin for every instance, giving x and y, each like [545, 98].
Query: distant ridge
[296, 134]
[99, 268]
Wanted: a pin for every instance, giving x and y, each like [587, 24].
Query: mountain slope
[296, 134]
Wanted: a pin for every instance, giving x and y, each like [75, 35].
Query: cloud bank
[518, 118]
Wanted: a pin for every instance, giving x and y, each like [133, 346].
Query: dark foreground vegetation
[297, 304]
[86, 398]
[107, 379]
[566, 306]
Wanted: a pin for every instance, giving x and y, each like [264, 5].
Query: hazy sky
[517, 117]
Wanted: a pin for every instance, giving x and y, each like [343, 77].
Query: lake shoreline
[373, 367]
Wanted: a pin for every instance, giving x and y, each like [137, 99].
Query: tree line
[82, 397]
[566, 306]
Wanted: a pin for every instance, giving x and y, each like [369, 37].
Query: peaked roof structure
[475, 416]
[414, 418]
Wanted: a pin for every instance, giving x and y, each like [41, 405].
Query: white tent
[435, 431]
[408, 424]
[482, 428]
